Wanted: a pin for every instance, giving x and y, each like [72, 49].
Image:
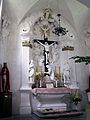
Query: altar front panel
[56, 99]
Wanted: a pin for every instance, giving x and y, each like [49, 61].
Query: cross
[46, 44]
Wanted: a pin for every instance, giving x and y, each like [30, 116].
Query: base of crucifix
[47, 82]
[47, 77]
[46, 73]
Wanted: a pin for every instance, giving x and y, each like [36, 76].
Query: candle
[40, 83]
[61, 77]
[55, 69]
[56, 84]
[59, 70]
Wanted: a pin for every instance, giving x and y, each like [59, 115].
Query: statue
[52, 71]
[66, 71]
[55, 52]
[31, 72]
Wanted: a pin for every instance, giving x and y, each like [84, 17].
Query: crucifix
[46, 44]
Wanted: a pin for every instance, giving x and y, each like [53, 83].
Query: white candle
[61, 77]
[40, 83]
[55, 69]
[56, 84]
[59, 70]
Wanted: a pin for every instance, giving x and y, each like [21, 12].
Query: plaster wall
[13, 56]
[15, 65]
[11, 53]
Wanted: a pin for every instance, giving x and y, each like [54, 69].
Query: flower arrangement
[59, 76]
[38, 75]
[76, 98]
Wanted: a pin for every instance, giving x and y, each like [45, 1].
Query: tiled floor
[88, 111]
[35, 118]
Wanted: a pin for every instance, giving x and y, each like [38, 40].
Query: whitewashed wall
[14, 64]
[10, 52]
[12, 55]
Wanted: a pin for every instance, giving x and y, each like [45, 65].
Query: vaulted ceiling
[85, 2]
[76, 12]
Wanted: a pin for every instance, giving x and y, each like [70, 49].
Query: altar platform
[51, 100]
[67, 115]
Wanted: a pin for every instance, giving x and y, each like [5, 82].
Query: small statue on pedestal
[31, 72]
[66, 71]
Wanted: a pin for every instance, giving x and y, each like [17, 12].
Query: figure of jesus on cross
[46, 44]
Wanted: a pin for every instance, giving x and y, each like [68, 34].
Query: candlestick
[61, 77]
[59, 70]
[36, 68]
[56, 83]
[55, 69]
[40, 83]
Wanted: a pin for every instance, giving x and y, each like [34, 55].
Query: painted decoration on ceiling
[45, 24]
[87, 36]
[5, 32]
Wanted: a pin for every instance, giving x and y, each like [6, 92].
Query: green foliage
[76, 98]
[79, 59]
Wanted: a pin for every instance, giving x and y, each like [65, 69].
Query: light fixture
[60, 31]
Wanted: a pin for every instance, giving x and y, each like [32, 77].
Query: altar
[52, 103]
[48, 77]
[50, 99]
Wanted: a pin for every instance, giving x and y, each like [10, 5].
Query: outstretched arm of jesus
[40, 43]
[52, 44]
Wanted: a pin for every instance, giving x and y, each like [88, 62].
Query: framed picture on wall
[49, 85]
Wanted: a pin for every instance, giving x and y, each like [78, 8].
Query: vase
[76, 106]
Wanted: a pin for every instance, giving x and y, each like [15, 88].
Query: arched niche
[32, 27]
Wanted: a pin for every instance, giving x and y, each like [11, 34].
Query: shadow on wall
[0, 76]
[16, 102]
[84, 100]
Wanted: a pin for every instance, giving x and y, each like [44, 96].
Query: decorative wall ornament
[31, 71]
[48, 25]
[87, 32]
[25, 30]
[70, 48]
[37, 52]
[26, 44]
[5, 27]
[45, 24]
[87, 36]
